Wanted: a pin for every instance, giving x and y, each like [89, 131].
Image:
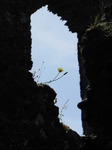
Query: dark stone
[28, 117]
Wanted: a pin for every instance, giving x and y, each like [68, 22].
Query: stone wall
[28, 116]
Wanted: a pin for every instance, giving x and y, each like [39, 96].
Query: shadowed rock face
[28, 116]
[76, 13]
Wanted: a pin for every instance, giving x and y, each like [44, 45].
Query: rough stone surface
[28, 117]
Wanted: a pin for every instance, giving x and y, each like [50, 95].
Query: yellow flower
[60, 69]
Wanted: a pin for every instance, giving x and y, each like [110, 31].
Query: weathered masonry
[28, 117]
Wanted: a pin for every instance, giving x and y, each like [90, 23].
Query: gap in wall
[53, 44]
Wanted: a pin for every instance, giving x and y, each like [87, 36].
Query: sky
[53, 44]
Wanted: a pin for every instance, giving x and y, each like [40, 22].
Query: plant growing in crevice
[37, 75]
[95, 22]
[66, 127]
[64, 107]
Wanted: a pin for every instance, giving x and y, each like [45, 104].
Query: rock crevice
[28, 117]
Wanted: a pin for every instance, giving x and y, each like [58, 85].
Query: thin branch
[41, 71]
[55, 79]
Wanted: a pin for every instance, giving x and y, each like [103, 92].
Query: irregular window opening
[57, 47]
